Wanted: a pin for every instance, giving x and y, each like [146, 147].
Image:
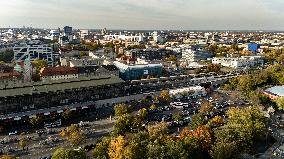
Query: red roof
[9, 75]
[62, 70]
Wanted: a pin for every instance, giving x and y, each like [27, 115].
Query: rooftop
[58, 85]
[276, 90]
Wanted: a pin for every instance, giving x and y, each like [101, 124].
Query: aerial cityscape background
[147, 79]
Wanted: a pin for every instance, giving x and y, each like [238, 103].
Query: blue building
[137, 71]
[253, 47]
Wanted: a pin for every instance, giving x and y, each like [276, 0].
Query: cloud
[145, 14]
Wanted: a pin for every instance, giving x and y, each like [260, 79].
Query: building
[151, 53]
[241, 62]
[67, 30]
[33, 51]
[191, 55]
[58, 73]
[137, 38]
[84, 33]
[253, 47]
[274, 92]
[53, 94]
[138, 71]
[83, 61]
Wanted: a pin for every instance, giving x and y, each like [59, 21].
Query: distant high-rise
[67, 30]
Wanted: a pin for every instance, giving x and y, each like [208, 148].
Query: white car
[13, 133]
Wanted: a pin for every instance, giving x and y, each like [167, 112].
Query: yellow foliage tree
[116, 148]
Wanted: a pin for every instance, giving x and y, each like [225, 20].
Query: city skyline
[145, 14]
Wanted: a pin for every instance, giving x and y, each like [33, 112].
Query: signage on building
[146, 72]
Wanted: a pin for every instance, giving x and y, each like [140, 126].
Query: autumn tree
[121, 109]
[62, 153]
[165, 95]
[248, 124]
[158, 131]
[116, 147]
[142, 113]
[101, 149]
[8, 157]
[73, 134]
[39, 64]
[123, 124]
[67, 114]
[206, 107]
[136, 145]
[36, 120]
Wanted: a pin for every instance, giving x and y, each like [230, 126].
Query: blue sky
[144, 14]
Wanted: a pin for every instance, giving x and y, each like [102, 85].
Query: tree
[121, 109]
[217, 121]
[35, 121]
[116, 148]
[197, 119]
[7, 56]
[62, 153]
[67, 114]
[73, 134]
[101, 149]
[158, 131]
[39, 64]
[248, 124]
[213, 68]
[280, 103]
[137, 145]
[22, 143]
[142, 113]
[153, 107]
[8, 157]
[165, 95]
[177, 116]
[206, 107]
[123, 124]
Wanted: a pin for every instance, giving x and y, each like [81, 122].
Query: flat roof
[59, 85]
[276, 90]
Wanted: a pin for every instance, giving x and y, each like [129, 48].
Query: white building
[84, 61]
[243, 61]
[137, 38]
[34, 51]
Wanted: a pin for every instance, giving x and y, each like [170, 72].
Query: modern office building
[137, 71]
[33, 51]
[151, 54]
[67, 30]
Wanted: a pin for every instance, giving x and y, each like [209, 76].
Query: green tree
[35, 121]
[142, 113]
[62, 153]
[23, 143]
[7, 56]
[280, 103]
[101, 149]
[123, 124]
[137, 145]
[74, 135]
[197, 119]
[158, 131]
[177, 116]
[121, 109]
[67, 114]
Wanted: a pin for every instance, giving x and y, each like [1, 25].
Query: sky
[145, 14]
